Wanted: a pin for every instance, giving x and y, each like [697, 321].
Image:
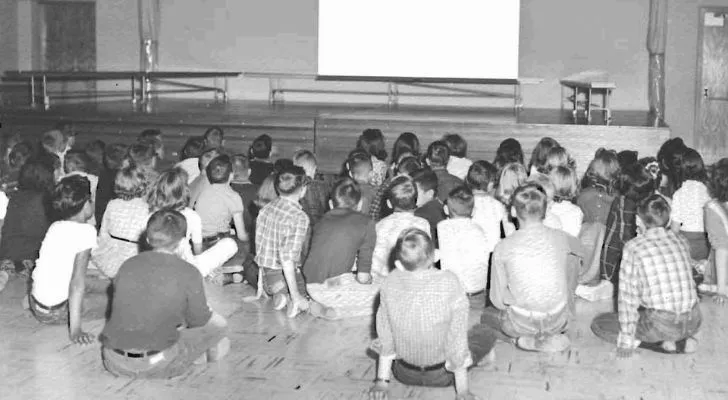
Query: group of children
[419, 240]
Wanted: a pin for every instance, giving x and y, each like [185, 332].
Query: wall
[8, 35]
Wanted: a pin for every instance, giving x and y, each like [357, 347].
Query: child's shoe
[280, 301]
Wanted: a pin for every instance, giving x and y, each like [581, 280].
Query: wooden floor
[273, 357]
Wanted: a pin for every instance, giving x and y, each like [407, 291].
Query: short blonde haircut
[558, 157]
[130, 183]
[530, 202]
[565, 183]
[304, 159]
[414, 249]
[510, 178]
[545, 182]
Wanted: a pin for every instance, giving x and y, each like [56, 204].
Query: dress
[121, 228]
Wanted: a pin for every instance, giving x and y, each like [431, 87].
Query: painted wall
[8, 35]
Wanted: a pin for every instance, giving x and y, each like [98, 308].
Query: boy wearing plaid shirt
[658, 304]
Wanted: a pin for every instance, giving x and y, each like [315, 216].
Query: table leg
[225, 90]
[607, 110]
[588, 105]
[575, 111]
[143, 96]
[133, 91]
[46, 99]
[32, 91]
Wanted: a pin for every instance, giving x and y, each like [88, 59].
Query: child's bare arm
[240, 227]
[76, 291]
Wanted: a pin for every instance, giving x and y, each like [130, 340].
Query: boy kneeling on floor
[658, 303]
[160, 322]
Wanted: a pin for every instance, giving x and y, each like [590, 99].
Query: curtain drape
[656, 38]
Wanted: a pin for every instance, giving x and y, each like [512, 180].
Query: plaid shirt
[281, 233]
[656, 272]
[375, 207]
[621, 227]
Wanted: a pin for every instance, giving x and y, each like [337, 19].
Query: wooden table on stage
[588, 88]
[138, 96]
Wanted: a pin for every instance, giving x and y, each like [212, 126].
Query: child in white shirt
[688, 202]
[76, 163]
[488, 212]
[565, 190]
[551, 220]
[59, 277]
[458, 164]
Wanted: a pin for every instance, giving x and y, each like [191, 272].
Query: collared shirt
[377, 202]
[423, 319]
[388, 231]
[459, 166]
[488, 214]
[656, 272]
[463, 251]
[570, 216]
[687, 206]
[280, 234]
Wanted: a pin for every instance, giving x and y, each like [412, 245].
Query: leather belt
[433, 367]
[136, 354]
[43, 307]
[123, 239]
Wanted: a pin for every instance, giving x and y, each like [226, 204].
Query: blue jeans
[654, 326]
[170, 362]
[510, 324]
[95, 304]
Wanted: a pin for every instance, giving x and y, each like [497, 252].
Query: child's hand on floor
[364, 278]
[379, 391]
[82, 338]
[624, 353]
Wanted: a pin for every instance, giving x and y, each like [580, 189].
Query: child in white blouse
[688, 202]
[487, 211]
[458, 164]
[565, 190]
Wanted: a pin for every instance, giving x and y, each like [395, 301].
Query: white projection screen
[428, 39]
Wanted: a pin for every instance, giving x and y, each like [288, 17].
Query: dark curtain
[70, 36]
[656, 38]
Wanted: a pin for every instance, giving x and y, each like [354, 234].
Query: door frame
[699, 68]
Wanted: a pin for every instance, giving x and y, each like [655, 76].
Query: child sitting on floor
[113, 160]
[95, 151]
[372, 141]
[487, 211]
[461, 242]
[315, 202]
[422, 323]
[248, 192]
[438, 155]
[688, 202]
[59, 278]
[551, 220]
[458, 164]
[214, 138]
[658, 304]
[160, 321]
[403, 199]
[219, 206]
[359, 168]
[171, 192]
[429, 206]
[344, 237]
[76, 164]
[190, 158]
[565, 190]
[259, 155]
[202, 182]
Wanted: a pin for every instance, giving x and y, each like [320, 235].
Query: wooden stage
[331, 130]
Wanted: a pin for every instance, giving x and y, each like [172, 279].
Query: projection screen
[455, 39]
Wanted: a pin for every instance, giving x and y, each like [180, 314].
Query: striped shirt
[656, 273]
[280, 234]
[423, 319]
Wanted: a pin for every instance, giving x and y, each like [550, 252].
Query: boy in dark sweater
[140, 341]
[429, 205]
[343, 238]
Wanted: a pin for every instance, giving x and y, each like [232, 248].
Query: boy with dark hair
[113, 160]
[530, 278]
[162, 341]
[219, 207]
[458, 164]
[438, 155]
[422, 323]
[59, 278]
[76, 164]
[429, 206]
[658, 303]
[214, 138]
[402, 199]
[95, 151]
[315, 202]
[359, 165]
[259, 156]
[202, 182]
[153, 137]
[190, 157]
[461, 243]
[343, 238]
[248, 192]
[488, 212]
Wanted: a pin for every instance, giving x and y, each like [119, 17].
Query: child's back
[462, 252]
[488, 214]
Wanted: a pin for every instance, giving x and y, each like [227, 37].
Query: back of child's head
[511, 177]
[530, 202]
[130, 183]
[635, 183]
[359, 165]
[426, 180]
[282, 164]
[558, 157]
[241, 166]
[36, 176]
[481, 176]
[20, 154]
[214, 137]
[540, 153]
[95, 150]
[206, 157]
[670, 159]
[603, 170]
[75, 161]
[165, 229]
[193, 148]
[405, 143]
[403, 194]
[545, 182]
[153, 137]
[219, 169]
[169, 191]
[70, 196]
[408, 165]
[719, 180]
[652, 167]
[143, 154]
[654, 211]
[460, 201]
[456, 144]
[305, 159]
[290, 180]
[261, 147]
[692, 167]
[54, 141]
[627, 158]
[414, 249]
[565, 184]
[509, 151]
[346, 194]
[438, 154]
[372, 140]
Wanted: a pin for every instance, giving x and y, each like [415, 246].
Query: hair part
[403, 193]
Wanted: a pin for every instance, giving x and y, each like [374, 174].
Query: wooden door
[711, 121]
